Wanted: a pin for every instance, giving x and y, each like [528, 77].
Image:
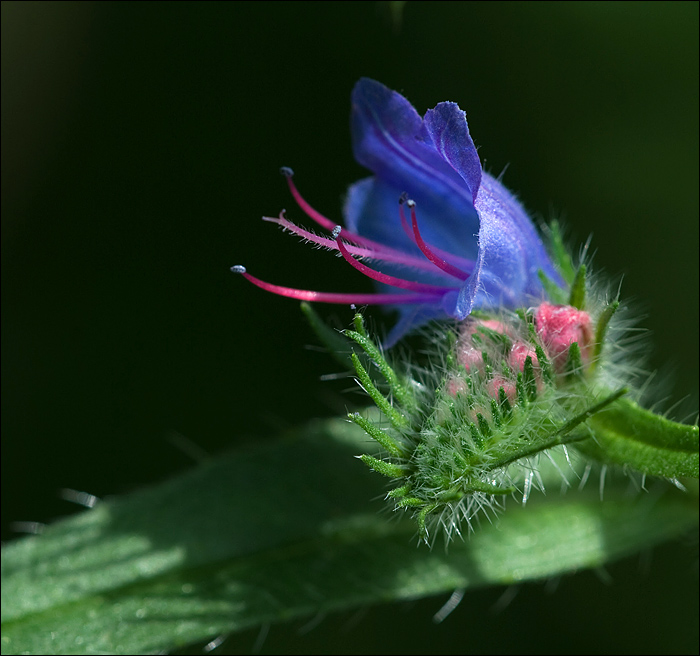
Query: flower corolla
[443, 236]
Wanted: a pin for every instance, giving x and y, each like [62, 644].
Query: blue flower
[443, 236]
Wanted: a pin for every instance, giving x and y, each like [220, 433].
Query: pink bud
[508, 386]
[456, 386]
[472, 327]
[470, 358]
[519, 353]
[559, 326]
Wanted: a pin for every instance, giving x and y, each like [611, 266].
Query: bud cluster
[513, 386]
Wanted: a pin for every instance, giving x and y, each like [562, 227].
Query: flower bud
[559, 326]
[498, 382]
[519, 353]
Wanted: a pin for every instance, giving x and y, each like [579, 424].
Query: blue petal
[510, 254]
[445, 127]
[390, 140]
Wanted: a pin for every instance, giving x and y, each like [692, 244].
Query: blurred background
[141, 144]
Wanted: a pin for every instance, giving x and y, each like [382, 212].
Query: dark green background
[141, 143]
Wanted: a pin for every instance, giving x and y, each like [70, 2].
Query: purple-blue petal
[511, 254]
[445, 127]
[388, 139]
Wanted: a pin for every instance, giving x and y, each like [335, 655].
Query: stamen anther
[403, 198]
[286, 171]
[238, 268]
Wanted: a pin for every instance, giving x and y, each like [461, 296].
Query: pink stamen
[385, 278]
[409, 233]
[326, 297]
[324, 221]
[308, 210]
[437, 261]
[386, 254]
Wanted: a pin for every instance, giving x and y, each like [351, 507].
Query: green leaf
[626, 434]
[283, 529]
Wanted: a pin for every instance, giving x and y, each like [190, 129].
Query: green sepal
[520, 390]
[560, 253]
[376, 434]
[359, 322]
[382, 467]
[397, 420]
[422, 516]
[496, 413]
[545, 365]
[504, 403]
[484, 427]
[600, 331]
[555, 293]
[529, 379]
[480, 486]
[475, 435]
[574, 362]
[488, 367]
[400, 391]
[450, 345]
[627, 434]
[410, 502]
[577, 296]
[399, 492]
